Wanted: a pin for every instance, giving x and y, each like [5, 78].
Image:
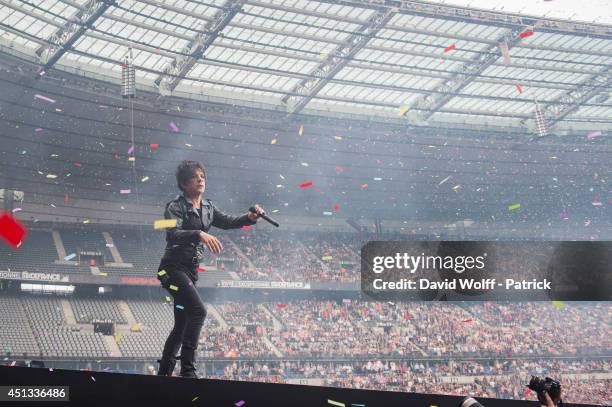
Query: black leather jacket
[183, 245]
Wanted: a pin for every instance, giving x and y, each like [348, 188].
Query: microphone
[272, 221]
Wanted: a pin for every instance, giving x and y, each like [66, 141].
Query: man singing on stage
[184, 250]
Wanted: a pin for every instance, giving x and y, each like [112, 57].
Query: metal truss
[337, 59]
[64, 37]
[444, 92]
[572, 100]
[178, 68]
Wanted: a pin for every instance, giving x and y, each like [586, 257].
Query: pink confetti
[38, 130]
[13, 362]
[449, 48]
[79, 165]
[46, 99]
[364, 186]
[594, 134]
[339, 169]
[519, 88]
[16, 210]
[154, 146]
[125, 191]
[174, 127]
[564, 215]
[245, 227]
[240, 403]
[131, 150]
[306, 184]
[336, 207]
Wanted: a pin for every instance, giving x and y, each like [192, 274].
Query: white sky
[599, 11]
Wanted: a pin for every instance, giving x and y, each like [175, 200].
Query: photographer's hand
[545, 399]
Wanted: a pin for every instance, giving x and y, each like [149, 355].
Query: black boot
[166, 365]
[188, 363]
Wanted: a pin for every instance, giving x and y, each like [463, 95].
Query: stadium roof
[423, 61]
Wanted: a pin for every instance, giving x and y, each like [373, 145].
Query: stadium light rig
[128, 77]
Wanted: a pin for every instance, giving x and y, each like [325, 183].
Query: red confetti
[526, 34]
[339, 169]
[154, 146]
[281, 306]
[245, 227]
[201, 269]
[519, 88]
[11, 230]
[66, 198]
[467, 320]
[336, 207]
[449, 48]
[364, 186]
[305, 184]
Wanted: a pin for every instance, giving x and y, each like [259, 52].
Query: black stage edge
[117, 389]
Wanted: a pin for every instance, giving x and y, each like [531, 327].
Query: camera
[551, 386]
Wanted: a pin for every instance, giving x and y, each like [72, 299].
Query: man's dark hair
[186, 170]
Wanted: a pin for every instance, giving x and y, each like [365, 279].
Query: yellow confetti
[51, 176]
[161, 273]
[273, 141]
[195, 398]
[164, 223]
[326, 258]
[132, 159]
[335, 403]
[117, 338]
[168, 298]
[403, 110]
[559, 305]
[103, 274]
[301, 130]
[86, 221]
[144, 179]
[173, 287]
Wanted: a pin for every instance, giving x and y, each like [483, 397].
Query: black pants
[189, 310]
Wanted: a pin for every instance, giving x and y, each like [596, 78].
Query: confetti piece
[281, 306]
[336, 207]
[70, 256]
[339, 169]
[86, 221]
[117, 157]
[132, 159]
[326, 258]
[364, 186]
[559, 305]
[403, 110]
[144, 179]
[154, 146]
[110, 245]
[597, 203]
[306, 184]
[51, 176]
[78, 165]
[594, 134]
[201, 269]
[174, 127]
[273, 141]
[188, 145]
[305, 164]
[449, 48]
[514, 206]
[104, 274]
[46, 99]
[467, 320]
[118, 338]
[131, 150]
[335, 403]
[11, 230]
[179, 306]
[564, 215]
[240, 403]
[519, 88]
[445, 179]
[281, 175]
[164, 223]
[326, 213]
[168, 299]
[93, 378]
[526, 34]
[50, 369]
[173, 287]
[246, 227]
[361, 405]
[125, 191]
[301, 131]
[456, 188]
[338, 137]
[19, 209]
[39, 129]
[161, 273]
[195, 398]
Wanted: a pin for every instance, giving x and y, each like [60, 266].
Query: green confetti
[515, 206]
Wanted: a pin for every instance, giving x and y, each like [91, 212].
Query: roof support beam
[450, 87]
[574, 99]
[337, 60]
[65, 37]
[178, 68]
